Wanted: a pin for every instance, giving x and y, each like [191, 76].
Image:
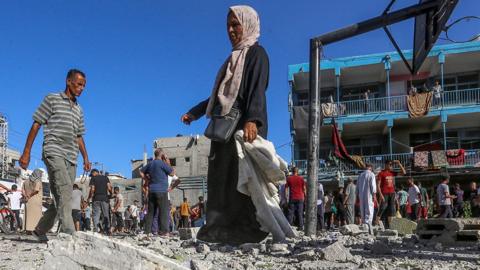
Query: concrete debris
[89, 250]
[327, 250]
[188, 233]
[403, 226]
[336, 252]
[352, 229]
[203, 248]
[438, 247]
[380, 248]
[200, 265]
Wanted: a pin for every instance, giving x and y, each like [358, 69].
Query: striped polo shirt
[62, 122]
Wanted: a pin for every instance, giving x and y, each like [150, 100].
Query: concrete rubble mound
[326, 250]
[94, 251]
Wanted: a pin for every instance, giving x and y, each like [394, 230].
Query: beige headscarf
[229, 76]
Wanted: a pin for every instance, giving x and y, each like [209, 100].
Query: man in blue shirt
[155, 174]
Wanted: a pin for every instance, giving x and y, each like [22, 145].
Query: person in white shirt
[134, 216]
[366, 192]
[414, 199]
[14, 203]
[437, 91]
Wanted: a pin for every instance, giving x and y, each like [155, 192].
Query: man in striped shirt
[63, 129]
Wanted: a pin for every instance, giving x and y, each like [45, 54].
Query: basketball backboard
[428, 27]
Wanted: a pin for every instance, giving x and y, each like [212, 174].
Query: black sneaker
[42, 238]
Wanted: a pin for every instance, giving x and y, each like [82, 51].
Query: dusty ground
[347, 252]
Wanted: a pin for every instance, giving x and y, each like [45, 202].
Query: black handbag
[221, 128]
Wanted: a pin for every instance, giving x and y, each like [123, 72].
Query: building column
[337, 77]
[441, 61]
[444, 127]
[390, 142]
[388, 66]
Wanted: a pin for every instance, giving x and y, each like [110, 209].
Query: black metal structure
[431, 17]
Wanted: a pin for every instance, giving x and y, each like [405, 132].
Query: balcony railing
[399, 103]
[472, 159]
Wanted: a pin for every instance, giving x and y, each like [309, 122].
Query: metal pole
[388, 91]
[442, 96]
[377, 22]
[314, 137]
[444, 126]
[390, 141]
[338, 93]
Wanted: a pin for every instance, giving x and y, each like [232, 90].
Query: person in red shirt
[386, 190]
[296, 188]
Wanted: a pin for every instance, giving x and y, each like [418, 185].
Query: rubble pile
[351, 247]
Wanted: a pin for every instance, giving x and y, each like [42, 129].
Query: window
[358, 92]
[461, 82]
[302, 99]
[187, 159]
[173, 161]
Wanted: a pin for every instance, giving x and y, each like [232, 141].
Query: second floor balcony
[446, 99]
[471, 159]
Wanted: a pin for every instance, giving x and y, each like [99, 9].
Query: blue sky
[147, 62]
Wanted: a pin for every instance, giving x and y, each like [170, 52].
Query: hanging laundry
[340, 150]
[419, 104]
[421, 159]
[456, 157]
[439, 158]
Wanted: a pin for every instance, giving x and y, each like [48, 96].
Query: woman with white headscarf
[32, 192]
[241, 84]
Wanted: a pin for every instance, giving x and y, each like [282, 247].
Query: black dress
[231, 214]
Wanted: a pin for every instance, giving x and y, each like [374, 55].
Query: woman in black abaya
[241, 83]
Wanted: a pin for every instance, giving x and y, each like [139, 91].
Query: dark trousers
[16, 214]
[458, 210]
[320, 217]
[295, 207]
[446, 211]
[118, 220]
[185, 223]
[403, 210]
[85, 224]
[414, 211]
[157, 200]
[328, 217]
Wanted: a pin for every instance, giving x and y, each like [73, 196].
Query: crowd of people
[374, 198]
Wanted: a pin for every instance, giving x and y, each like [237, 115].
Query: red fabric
[456, 157]
[340, 150]
[296, 184]
[387, 180]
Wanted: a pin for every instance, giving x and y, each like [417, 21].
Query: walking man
[118, 210]
[414, 198]
[350, 198]
[77, 202]
[296, 186]
[100, 188]
[14, 203]
[366, 192]
[424, 201]
[444, 198]
[386, 190]
[63, 127]
[155, 174]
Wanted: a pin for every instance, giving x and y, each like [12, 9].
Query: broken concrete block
[403, 226]
[389, 233]
[202, 248]
[380, 248]
[94, 251]
[352, 229]
[188, 233]
[336, 252]
[200, 265]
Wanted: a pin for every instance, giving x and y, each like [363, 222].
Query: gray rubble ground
[328, 250]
